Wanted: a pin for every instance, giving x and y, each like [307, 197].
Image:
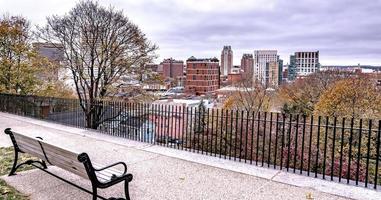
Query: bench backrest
[52, 154]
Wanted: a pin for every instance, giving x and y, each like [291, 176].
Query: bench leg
[44, 164]
[127, 193]
[14, 167]
[95, 195]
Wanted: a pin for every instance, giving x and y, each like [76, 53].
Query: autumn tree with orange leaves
[301, 96]
[356, 97]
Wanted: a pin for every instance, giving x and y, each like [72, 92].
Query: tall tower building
[306, 63]
[261, 58]
[226, 60]
[247, 64]
[280, 71]
[291, 71]
[272, 74]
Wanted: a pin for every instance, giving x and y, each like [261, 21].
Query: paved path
[163, 173]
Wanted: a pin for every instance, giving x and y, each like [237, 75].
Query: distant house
[54, 53]
[171, 117]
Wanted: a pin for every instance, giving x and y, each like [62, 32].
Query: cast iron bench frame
[91, 168]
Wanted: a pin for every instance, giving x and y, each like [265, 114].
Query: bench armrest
[113, 165]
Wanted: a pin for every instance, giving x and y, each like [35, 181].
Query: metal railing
[338, 149]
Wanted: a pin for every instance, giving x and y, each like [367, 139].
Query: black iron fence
[339, 149]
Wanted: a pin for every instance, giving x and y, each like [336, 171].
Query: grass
[6, 161]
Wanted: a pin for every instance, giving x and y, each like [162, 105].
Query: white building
[261, 58]
[235, 70]
[307, 62]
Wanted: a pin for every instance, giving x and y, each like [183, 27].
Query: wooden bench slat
[57, 156]
[49, 152]
[61, 157]
[110, 171]
[32, 151]
[33, 138]
[27, 141]
[107, 173]
[103, 178]
[67, 165]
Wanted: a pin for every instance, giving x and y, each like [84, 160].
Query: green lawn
[6, 162]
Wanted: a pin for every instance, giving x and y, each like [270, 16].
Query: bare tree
[249, 95]
[101, 46]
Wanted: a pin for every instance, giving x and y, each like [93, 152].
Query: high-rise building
[226, 60]
[247, 64]
[203, 75]
[280, 71]
[172, 68]
[272, 74]
[306, 63]
[285, 73]
[261, 58]
[291, 71]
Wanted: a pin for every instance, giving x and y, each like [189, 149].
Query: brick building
[247, 64]
[203, 75]
[152, 67]
[234, 78]
[172, 68]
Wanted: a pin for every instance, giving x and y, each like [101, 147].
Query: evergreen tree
[200, 120]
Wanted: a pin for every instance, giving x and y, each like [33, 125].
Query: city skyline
[345, 32]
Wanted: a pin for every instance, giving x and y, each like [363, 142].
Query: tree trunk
[93, 114]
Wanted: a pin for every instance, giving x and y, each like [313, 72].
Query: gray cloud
[345, 31]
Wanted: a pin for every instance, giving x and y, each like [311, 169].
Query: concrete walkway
[164, 173]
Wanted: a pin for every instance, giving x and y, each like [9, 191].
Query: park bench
[76, 163]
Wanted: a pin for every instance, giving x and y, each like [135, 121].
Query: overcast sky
[344, 31]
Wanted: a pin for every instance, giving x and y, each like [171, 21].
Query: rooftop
[194, 59]
[235, 89]
[185, 102]
[171, 60]
[247, 55]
